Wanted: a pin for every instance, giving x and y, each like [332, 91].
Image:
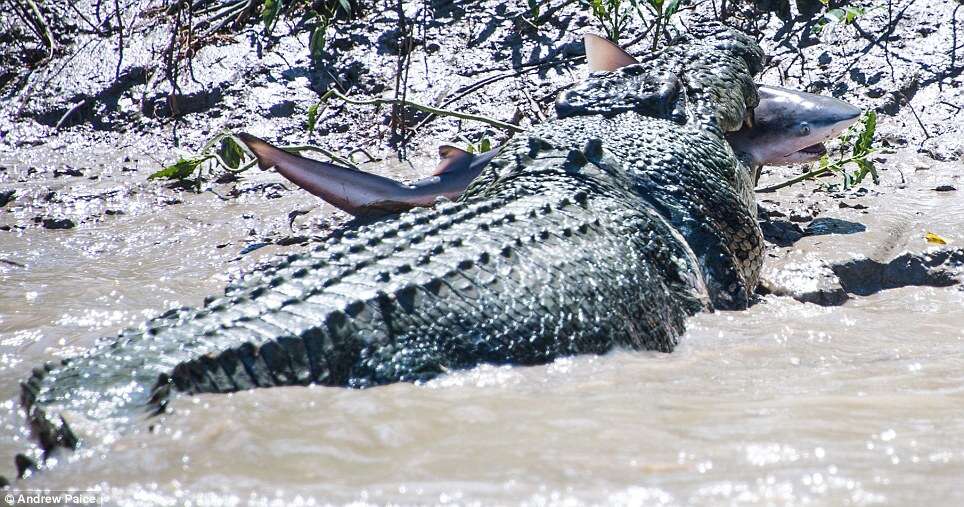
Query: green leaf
[862, 170]
[180, 170]
[671, 9]
[852, 13]
[866, 167]
[316, 44]
[836, 15]
[866, 138]
[313, 116]
[345, 6]
[269, 14]
[534, 8]
[231, 154]
[485, 145]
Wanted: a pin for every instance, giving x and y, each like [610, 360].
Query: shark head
[790, 126]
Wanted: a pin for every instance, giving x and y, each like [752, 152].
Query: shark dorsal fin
[453, 159]
[603, 55]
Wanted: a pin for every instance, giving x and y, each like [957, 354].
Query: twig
[891, 26]
[219, 9]
[524, 69]
[954, 36]
[95, 28]
[793, 181]
[120, 39]
[927, 134]
[427, 109]
[363, 151]
[298, 148]
[73, 109]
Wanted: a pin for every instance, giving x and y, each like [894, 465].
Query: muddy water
[786, 403]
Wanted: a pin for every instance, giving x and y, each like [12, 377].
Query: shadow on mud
[864, 277]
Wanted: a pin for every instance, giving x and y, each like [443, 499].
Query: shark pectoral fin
[455, 171]
[452, 159]
[603, 55]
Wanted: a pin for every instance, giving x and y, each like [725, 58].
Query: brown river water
[787, 403]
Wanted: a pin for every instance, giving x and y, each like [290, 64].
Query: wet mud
[842, 384]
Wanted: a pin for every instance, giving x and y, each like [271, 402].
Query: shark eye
[804, 129]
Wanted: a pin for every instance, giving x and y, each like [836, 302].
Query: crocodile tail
[318, 354]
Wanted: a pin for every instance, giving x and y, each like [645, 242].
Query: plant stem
[427, 109]
[834, 167]
[43, 26]
[659, 26]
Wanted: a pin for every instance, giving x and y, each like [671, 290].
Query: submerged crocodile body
[604, 228]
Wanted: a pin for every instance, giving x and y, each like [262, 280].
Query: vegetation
[481, 147]
[226, 152]
[663, 11]
[839, 16]
[614, 16]
[843, 15]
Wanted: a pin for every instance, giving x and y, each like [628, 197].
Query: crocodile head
[786, 127]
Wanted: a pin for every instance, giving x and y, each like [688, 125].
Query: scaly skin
[590, 232]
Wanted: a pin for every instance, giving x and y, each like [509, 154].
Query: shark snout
[834, 114]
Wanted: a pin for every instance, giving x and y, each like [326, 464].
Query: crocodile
[605, 227]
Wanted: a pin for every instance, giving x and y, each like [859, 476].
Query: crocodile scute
[606, 227]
